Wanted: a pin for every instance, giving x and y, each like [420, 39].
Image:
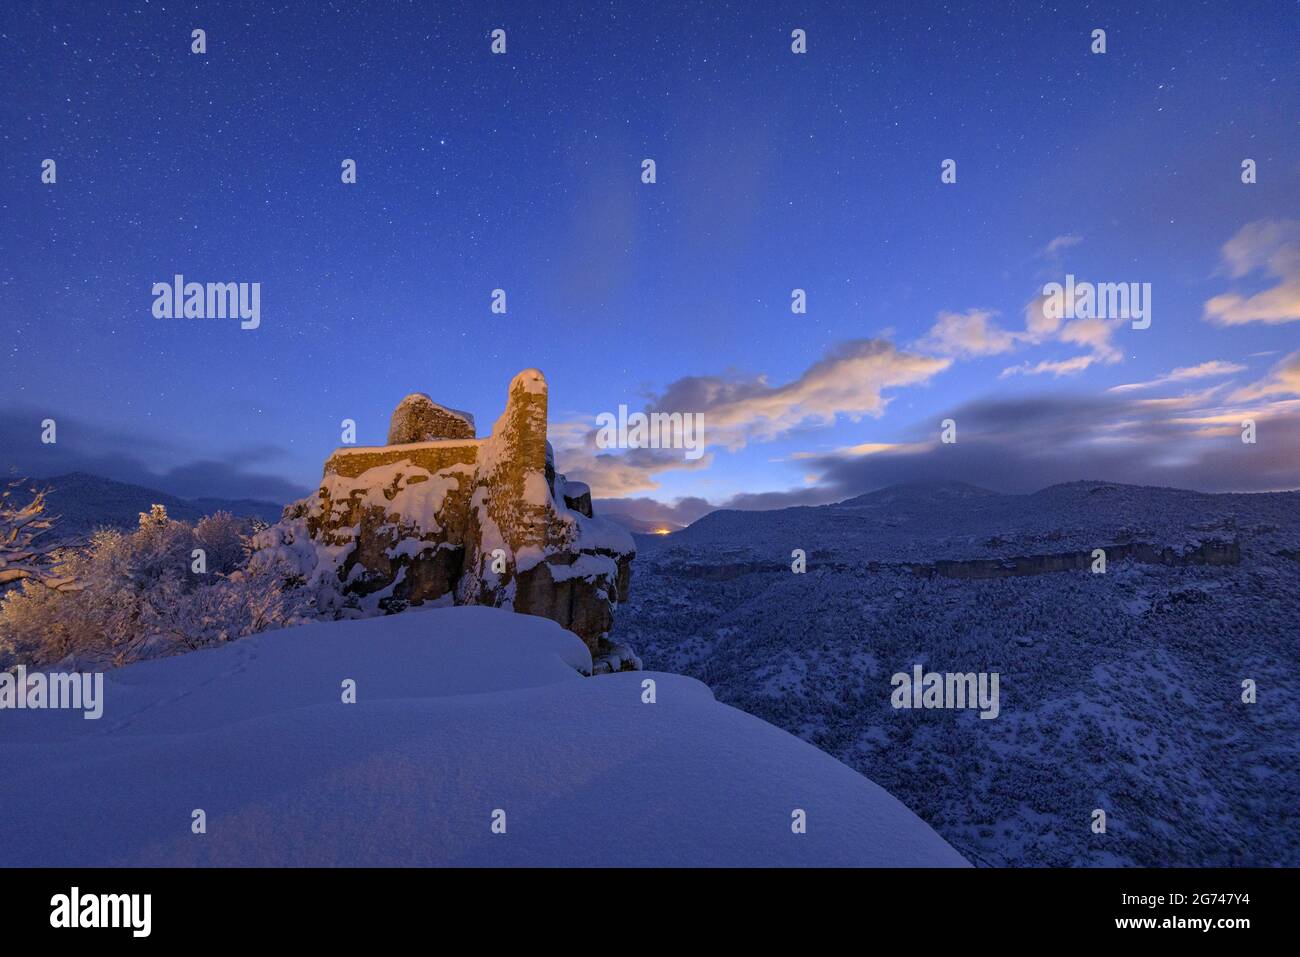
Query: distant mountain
[1120, 683]
[951, 520]
[84, 502]
[920, 492]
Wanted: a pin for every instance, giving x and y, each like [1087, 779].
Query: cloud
[974, 334]
[1053, 249]
[1271, 247]
[1095, 335]
[848, 381]
[1205, 370]
[635, 511]
[617, 473]
[136, 458]
[1282, 380]
[1027, 443]
[866, 448]
[739, 409]
[1057, 367]
[613, 473]
[968, 335]
[758, 501]
[1042, 326]
[651, 511]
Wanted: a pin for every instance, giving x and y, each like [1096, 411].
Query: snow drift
[460, 712]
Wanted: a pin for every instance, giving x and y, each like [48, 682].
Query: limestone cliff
[438, 515]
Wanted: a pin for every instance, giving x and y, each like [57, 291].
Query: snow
[586, 566]
[460, 712]
[576, 489]
[411, 547]
[289, 547]
[602, 534]
[529, 556]
[532, 380]
[402, 488]
[536, 491]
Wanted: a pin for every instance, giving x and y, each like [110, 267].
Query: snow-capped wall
[418, 418]
[447, 517]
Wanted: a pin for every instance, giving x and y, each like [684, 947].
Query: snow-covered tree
[224, 538]
[24, 556]
[139, 597]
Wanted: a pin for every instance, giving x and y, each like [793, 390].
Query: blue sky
[775, 171]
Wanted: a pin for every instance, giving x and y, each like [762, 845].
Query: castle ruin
[439, 515]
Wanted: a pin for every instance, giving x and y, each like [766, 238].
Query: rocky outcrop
[438, 515]
[1209, 552]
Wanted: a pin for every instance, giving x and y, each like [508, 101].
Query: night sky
[775, 171]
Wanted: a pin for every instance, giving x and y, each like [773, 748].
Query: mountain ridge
[80, 502]
[1121, 671]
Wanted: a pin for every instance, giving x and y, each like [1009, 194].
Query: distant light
[663, 531]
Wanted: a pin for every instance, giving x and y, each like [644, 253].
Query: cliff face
[438, 515]
[1205, 552]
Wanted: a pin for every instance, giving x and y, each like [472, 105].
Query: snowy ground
[460, 712]
[1119, 691]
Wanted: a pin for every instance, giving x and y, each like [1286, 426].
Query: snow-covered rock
[460, 713]
[439, 515]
